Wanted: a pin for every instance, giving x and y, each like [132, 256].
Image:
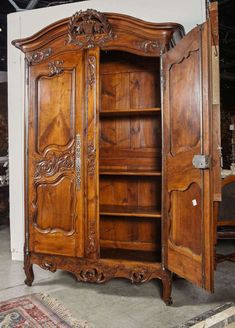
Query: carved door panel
[55, 152]
[187, 194]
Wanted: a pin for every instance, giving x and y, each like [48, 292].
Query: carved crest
[90, 28]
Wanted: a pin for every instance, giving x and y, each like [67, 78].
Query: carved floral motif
[39, 56]
[91, 154]
[91, 70]
[53, 163]
[55, 67]
[90, 28]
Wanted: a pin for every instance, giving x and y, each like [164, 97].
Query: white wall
[23, 24]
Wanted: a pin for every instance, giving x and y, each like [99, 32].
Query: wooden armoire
[121, 168]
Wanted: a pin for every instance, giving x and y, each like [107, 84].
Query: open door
[187, 162]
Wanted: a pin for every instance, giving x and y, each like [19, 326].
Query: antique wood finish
[187, 200]
[93, 271]
[92, 154]
[94, 150]
[55, 140]
[104, 30]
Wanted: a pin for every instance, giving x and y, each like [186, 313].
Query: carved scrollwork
[53, 163]
[91, 154]
[149, 46]
[90, 28]
[55, 67]
[99, 271]
[39, 56]
[91, 70]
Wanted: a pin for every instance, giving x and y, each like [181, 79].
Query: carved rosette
[55, 67]
[90, 28]
[97, 274]
[91, 154]
[149, 46]
[39, 56]
[91, 70]
[53, 163]
[140, 275]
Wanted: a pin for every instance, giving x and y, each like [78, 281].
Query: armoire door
[187, 162]
[54, 156]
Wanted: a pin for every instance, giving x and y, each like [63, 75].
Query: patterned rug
[219, 317]
[36, 311]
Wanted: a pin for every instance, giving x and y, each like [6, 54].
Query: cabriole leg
[28, 269]
[167, 287]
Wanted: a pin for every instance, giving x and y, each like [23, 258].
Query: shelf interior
[130, 157]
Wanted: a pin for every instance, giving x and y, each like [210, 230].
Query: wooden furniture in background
[225, 216]
[119, 159]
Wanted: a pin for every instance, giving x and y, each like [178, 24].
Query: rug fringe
[61, 311]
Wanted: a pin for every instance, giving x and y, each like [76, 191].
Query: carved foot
[28, 269]
[169, 301]
[167, 288]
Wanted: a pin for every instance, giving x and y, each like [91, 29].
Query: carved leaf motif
[54, 163]
[90, 28]
[91, 70]
[55, 67]
[39, 56]
[91, 153]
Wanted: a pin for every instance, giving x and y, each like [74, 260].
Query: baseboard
[17, 256]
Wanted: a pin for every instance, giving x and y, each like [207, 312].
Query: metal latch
[201, 161]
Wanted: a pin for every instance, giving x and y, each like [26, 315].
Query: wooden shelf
[130, 172]
[130, 112]
[143, 211]
[129, 245]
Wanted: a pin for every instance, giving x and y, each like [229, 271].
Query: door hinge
[201, 161]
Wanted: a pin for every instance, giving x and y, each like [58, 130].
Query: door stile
[26, 151]
[207, 142]
[92, 248]
[79, 155]
[164, 223]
